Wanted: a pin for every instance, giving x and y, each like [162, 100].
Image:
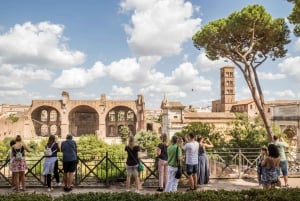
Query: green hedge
[292, 194]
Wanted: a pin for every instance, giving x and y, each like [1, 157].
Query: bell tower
[227, 88]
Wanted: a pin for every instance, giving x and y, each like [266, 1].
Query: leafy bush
[209, 195]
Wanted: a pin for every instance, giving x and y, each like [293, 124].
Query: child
[263, 154]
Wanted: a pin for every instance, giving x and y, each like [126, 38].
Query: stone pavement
[214, 184]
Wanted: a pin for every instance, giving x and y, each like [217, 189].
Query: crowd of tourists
[188, 153]
[18, 164]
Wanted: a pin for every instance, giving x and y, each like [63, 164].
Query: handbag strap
[134, 158]
[51, 147]
[177, 161]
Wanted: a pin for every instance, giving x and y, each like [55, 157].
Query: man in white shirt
[191, 160]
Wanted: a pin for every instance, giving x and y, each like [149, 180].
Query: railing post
[240, 162]
[106, 168]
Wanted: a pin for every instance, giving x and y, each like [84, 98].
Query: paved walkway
[215, 184]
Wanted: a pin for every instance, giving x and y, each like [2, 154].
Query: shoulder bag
[178, 173]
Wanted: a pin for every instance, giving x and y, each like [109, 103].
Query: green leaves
[244, 34]
[294, 17]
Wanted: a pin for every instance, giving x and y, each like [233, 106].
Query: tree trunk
[251, 78]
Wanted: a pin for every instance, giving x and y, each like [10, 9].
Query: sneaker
[190, 189]
[65, 188]
[58, 184]
[137, 191]
[50, 189]
[69, 189]
[160, 189]
[127, 190]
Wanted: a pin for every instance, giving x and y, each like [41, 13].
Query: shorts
[191, 169]
[69, 166]
[132, 170]
[283, 166]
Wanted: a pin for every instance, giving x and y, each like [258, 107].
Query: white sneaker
[137, 191]
[127, 190]
[58, 184]
[50, 189]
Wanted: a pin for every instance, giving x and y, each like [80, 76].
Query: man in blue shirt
[69, 150]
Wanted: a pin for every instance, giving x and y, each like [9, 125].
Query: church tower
[227, 88]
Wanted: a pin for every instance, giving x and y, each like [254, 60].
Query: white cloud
[290, 67]
[121, 92]
[297, 44]
[79, 77]
[16, 78]
[39, 44]
[159, 27]
[204, 64]
[134, 70]
[12, 93]
[186, 76]
[183, 80]
[270, 76]
[286, 94]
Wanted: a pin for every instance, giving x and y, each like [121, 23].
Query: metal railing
[105, 169]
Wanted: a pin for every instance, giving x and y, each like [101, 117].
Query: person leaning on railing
[18, 164]
[283, 166]
[69, 150]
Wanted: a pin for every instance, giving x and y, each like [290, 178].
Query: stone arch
[46, 121]
[83, 120]
[290, 131]
[120, 116]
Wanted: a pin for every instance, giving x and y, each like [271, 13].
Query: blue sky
[124, 48]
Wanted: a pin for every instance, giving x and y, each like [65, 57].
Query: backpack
[19, 155]
[48, 151]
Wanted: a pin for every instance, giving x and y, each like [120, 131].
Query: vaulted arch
[83, 120]
[46, 121]
[120, 116]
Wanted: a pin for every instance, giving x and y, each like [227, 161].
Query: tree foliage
[294, 17]
[89, 145]
[148, 140]
[204, 130]
[247, 133]
[124, 132]
[247, 38]
[13, 118]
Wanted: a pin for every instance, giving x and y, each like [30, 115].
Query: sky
[123, 48]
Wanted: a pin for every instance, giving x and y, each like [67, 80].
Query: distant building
[175, 116]
[59, 117]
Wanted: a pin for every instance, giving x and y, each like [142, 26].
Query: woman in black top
[132, 163]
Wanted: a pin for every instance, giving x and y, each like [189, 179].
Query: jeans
[172, 181]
